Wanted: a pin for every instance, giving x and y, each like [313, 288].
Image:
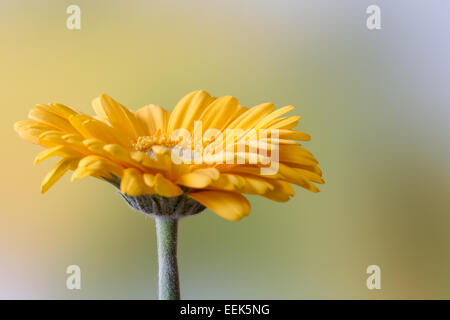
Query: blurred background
[374, 102]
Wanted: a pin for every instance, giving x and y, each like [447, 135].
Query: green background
[374, 102]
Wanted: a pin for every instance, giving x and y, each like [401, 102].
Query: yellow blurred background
[374, 102]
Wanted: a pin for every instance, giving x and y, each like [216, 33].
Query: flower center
[145, 143]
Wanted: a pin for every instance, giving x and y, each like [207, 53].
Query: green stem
[166, 235]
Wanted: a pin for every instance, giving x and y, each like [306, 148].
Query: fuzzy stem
[166, 235]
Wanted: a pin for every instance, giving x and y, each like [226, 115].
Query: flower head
[207, 153]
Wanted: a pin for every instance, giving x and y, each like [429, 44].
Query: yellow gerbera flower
[133, 150]
[207, 153]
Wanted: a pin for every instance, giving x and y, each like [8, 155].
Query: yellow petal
[102, 167]
[97, 147]
[243, 183]
[194, 180]
[154, 118]
[312, 176]
[274, 142]
[118, 116]
[199, 178]
[272, 116]
[281, 193]
[256, 185]
[220, 113]
[283, 123]
[293, 176]
[296, 154]
[91, 128]
[246, 122]
[253, 170]
[57, 109]
[229, 205]
[51, 119]
[145, 160]
[55, 138]
[249, 118]
[31, 130]
[60, 150]
[81, 173]
[228, 182]
[293, 134]
[188, 109]
[116, 151]
[57, 172]
[165, 187]
[163, 159]
[62, 110]
[52, 137]
[313, 168]
[149, 179]
[132, 183]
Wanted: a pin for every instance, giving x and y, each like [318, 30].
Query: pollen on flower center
[144, 143]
